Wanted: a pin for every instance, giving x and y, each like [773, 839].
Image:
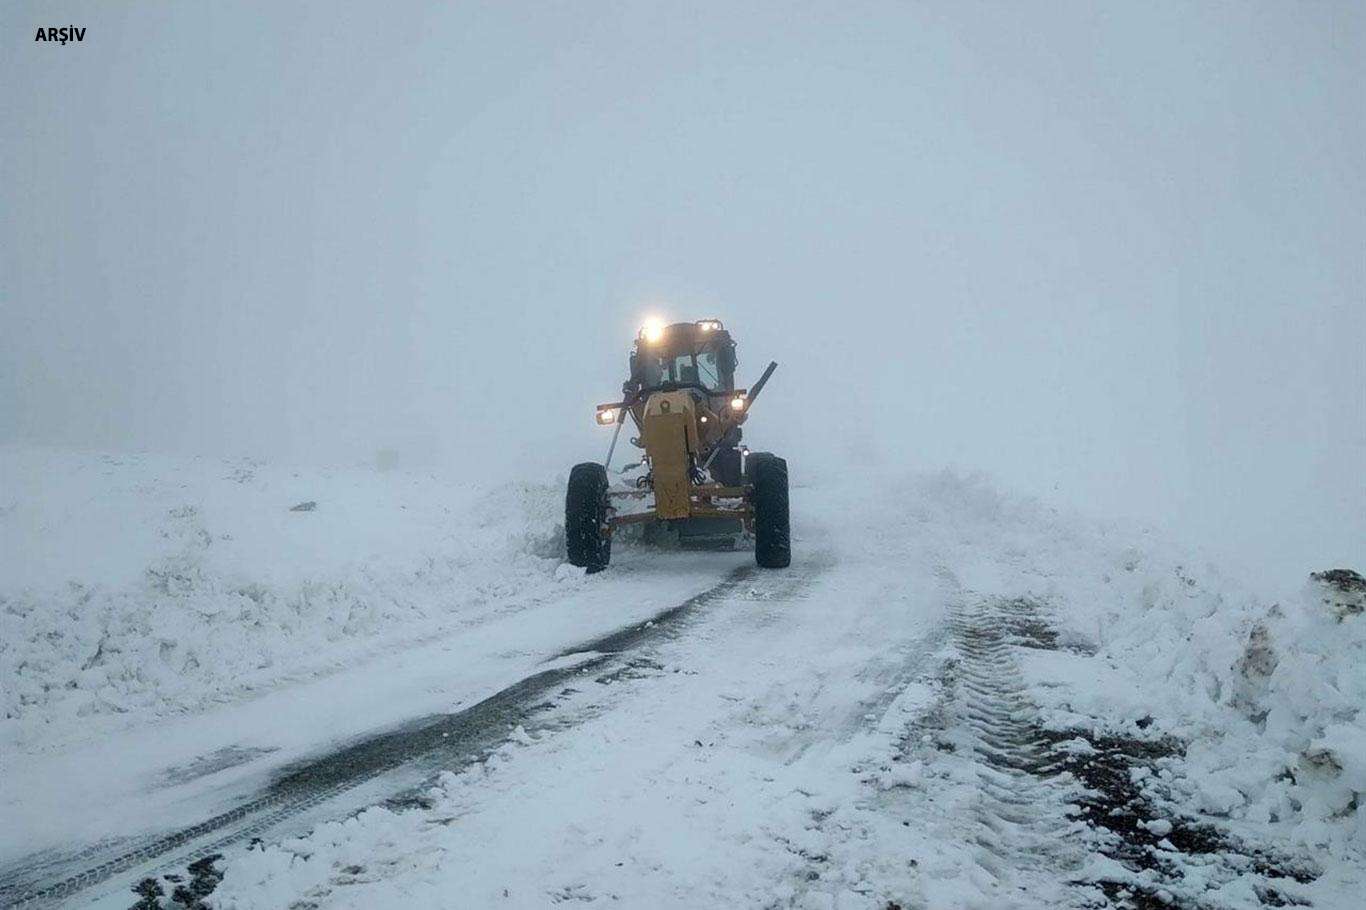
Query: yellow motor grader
[698, 480]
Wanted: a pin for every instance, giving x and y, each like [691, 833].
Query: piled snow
[1267, 687]
[1267, 692]
[138, 584]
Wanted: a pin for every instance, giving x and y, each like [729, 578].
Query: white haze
[1111, 254]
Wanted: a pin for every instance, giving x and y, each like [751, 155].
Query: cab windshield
[702, 368]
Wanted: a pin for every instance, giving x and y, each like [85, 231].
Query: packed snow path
[917, 714]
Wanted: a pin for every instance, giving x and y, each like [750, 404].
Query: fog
[1111, 255]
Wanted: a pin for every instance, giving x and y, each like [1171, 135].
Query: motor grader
[696, 480]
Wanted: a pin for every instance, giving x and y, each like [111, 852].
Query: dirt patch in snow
[1343, 592]
[1151, 842]
[1114, 781]
[187, 892]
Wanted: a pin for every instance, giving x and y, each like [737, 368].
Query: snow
[1266, 687]
[706, 794]
[481, 610]
[803, 743]
[145, 585]
[1001, 546]
[1161, 827]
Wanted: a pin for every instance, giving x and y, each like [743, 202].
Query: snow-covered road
[952, 699]
[760, 677]
[138, 789]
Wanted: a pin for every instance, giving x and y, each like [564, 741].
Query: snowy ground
[401, 698]
[196, 583]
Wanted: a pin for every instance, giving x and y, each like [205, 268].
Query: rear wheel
[586, 541]
[772, 529]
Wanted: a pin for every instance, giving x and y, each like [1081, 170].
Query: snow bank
[1268, 691]
[134, 584]
[1266, 687]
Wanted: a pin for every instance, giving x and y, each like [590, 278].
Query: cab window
[709, 371]
[702, 369]
[684, 371]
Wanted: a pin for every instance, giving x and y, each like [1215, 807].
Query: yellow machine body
[699, 486]
[682, 398]
[671, 442]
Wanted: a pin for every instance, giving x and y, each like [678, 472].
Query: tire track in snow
[451, 741]
[1021, 819]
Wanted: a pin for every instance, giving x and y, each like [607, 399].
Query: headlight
[709, 325]
[607, 417]
[737, 403]
[652, 331]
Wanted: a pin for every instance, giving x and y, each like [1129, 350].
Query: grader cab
[695, 478]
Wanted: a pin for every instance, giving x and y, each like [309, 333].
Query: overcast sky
[1112, 254]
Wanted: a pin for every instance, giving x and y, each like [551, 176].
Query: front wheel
[586, 538]
[772, 529]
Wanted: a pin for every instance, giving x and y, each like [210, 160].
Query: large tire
[587, 544]
[772, 529]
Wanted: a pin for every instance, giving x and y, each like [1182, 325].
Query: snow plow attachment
[697, 481]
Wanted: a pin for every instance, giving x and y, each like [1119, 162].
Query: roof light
[710, 325]
[653, 330]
